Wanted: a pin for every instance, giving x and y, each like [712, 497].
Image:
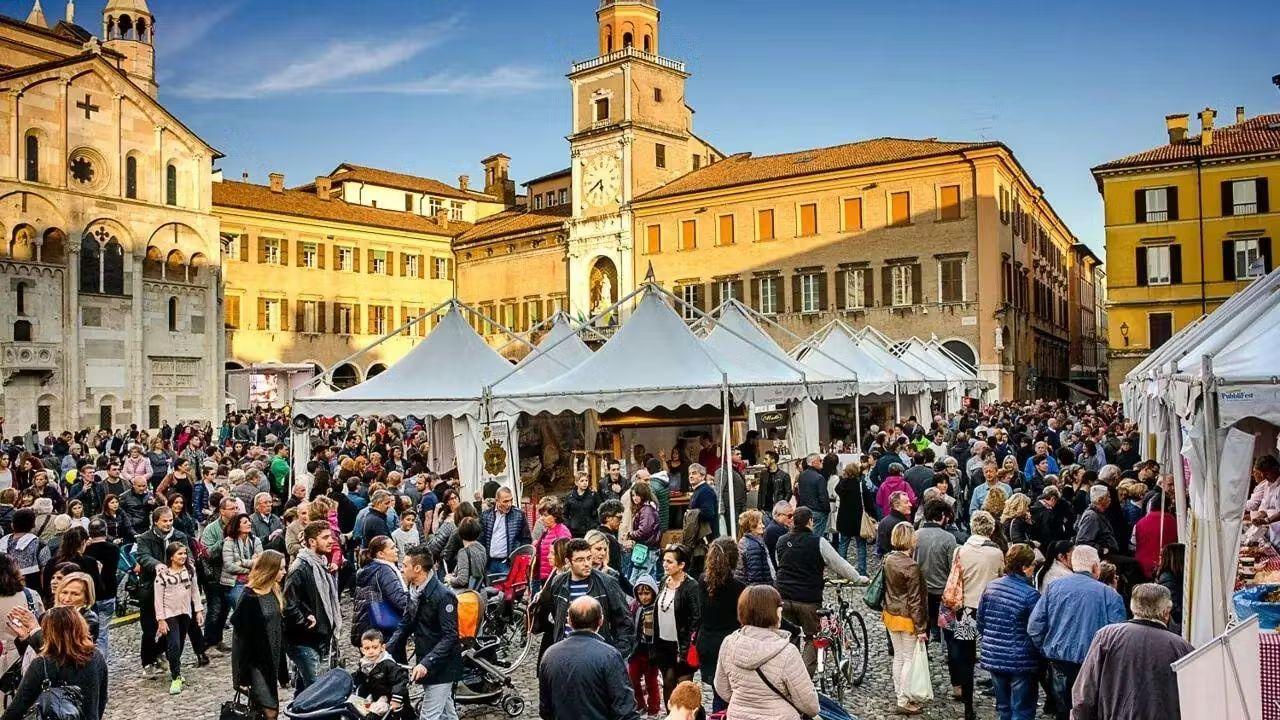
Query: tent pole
[897, 405]
[857, 423]
[1212, 485]
[726, 460]
[327, 373]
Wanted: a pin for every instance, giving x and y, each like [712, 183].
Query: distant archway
[375, 369]
[344, 376]
[963, 351]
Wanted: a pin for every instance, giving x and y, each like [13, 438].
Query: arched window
[171, 184]
[33, 158]
[173, 314]
[21, 304]
[648, 43]
[131, 177]
[90, 265]
[626, 40]
[22, 331]
[113, 268]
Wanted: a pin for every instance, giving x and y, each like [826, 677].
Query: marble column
[138, 358]
[71, 355]
[215, 341]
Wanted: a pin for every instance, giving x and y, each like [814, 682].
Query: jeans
[1016, 695]
[437, 703]
[234, 593]
[497, 566]
[217, 608]
[904, 650]
[175, 640]
[819, 523]
[862, 551]
[1064, 677]
[106, 610]
[306, 665]
[931, 620]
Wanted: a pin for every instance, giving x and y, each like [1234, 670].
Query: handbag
[953, 593]
[383, 615]
[236, 709]
[691, 657]
[639, 554]
[868, 529]
[764, 679]
[964, 626]
[873, 596]
[62, 702]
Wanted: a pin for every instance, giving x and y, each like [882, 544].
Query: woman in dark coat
[849, 518]
[755, 562]
[257, 639]
[720, 591]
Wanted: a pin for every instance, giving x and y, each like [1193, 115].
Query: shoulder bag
[62, 702]
[237, 709]
[873, 596]
[953, 593]
[868, 529]
[764, 679]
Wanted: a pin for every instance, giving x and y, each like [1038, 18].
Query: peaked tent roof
[442, 376]
[737, 340]
[559, 351]
[654, 360]
[838, 351]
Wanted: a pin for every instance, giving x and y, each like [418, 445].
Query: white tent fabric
[736, 340]
[837, 355]
[442, 376]
[654, 360]
[559, 351]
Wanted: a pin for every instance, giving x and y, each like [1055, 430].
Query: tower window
[660, 155]
[602, 109]
[173, 314]
[131, 177]
[627, 40]
[33, 158]
[22, 331]
[171, 185]
[21, 305]
[648, 43]
[657, 94]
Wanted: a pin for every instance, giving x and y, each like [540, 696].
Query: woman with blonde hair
[994, 504]
[904, 613]
[257, 639]
[67, 659]
[981, 561]
[1016, 521]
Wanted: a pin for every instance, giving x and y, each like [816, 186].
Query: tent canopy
[737, 340]
[838, 354]
[654, 360]
[559, 350]
[442, 376]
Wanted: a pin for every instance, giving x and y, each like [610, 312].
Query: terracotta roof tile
[516, 221]
[300, 203]
[1256, 135]
[743, 168]
[347, 172]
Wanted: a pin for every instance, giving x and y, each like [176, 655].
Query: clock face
[601, 181]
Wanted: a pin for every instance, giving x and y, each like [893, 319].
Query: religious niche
[88, 169]
[603, 286]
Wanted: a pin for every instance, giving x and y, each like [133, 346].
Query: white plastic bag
[916, 683]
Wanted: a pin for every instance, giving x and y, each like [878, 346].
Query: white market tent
[1211, 397]
[559, 350]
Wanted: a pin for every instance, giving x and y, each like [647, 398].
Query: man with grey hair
[376, 522]
[267, 527]
[1094, 528]
[1128, 674]
[812, 492]
[702, 497]
[778, 524]
[1068, 615]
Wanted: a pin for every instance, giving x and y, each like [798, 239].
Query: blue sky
[432, 86]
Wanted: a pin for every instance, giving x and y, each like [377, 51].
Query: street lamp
[1124, 333]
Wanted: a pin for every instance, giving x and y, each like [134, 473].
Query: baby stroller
[327, 699]
[128, 583]
[507, 612]
[484, 680]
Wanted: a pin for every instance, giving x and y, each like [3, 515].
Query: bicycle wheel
[855, 651]
[837, 662]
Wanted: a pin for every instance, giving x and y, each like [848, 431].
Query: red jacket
[1155, 530]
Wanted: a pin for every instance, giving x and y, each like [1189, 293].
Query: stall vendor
[1263, 509]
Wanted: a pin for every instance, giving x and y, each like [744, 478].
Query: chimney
[71, 12]
[323, 187]
[1177, 127]
[497, 179]
[442, 218]
[1206, 126]
[244, 177]
[1239, 114]
[277, 182]
[464, 181]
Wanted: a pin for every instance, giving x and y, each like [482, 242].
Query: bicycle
[840, 644]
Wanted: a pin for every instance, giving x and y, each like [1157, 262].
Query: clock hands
[599, 184]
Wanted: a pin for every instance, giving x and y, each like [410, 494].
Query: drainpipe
[1204, 303]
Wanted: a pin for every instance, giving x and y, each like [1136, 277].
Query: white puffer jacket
[749, 698]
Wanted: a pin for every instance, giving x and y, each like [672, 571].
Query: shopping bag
[915, 681]
[953, 592]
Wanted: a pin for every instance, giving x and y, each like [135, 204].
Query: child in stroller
[381, 683]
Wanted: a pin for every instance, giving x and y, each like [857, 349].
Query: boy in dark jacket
[644, 674]
[381, 683]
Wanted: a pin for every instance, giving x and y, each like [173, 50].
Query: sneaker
[175, 687]
[202, 659]
[149, 671]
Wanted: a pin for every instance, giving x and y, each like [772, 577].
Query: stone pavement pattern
[133, 698]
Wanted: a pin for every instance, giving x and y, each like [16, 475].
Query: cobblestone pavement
[134, 698]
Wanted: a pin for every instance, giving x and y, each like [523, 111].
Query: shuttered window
[764, 225]
[768, 294]
[231, 312]
[653, 239]
[900, 208]
[725, 236]
[688, 234]
[951, 280]
[851, 214]
[949, 202]
[808, 219]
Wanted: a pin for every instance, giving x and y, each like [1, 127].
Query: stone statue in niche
[603, 285]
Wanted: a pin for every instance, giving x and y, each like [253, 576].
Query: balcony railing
[628, 52]
[607, 3]
[1244, 208]
[17, 357]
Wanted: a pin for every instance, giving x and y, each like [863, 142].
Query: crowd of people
[1032, 541]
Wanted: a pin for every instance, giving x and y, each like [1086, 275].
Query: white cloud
[184, 31]
[505, 78]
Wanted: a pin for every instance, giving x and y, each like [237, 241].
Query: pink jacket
[544, 546]
[136, 467]
[177, 593]
[891, 485]
[335, 553]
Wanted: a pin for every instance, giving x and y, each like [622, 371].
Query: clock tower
[632, 132]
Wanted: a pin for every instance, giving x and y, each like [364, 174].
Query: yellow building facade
[1188, 224]
[311, 279]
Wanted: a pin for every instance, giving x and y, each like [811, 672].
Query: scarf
[326, 588]
[367, 665]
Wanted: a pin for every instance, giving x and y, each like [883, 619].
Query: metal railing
[607, 3]
[628, 52]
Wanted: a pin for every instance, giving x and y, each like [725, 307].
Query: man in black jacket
[312, 616]
[375, 522]
[150, 550]
[811, 492]
[583, 677]
[432, 618]
[559, 592]
[775, 483]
